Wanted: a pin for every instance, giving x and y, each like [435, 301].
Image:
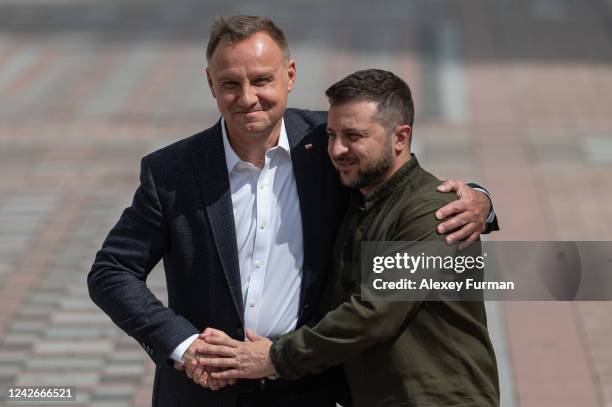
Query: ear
[291, 74]
[210, 83]
[403, 136]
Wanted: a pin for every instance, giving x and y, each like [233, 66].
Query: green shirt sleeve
[356, 324]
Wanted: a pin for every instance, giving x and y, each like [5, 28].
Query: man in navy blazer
[193, 208]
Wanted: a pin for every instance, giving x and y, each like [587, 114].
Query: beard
[373, 175]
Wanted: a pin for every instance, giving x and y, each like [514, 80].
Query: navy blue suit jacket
[182, 212]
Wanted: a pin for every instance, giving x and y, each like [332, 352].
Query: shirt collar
[231, 158]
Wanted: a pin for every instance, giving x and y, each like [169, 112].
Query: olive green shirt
[411, 353]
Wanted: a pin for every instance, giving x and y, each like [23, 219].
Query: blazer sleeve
[117, 280]
[356, 324]
[492, 225]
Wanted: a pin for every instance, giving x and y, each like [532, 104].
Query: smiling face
[364, 152]
[251, 80]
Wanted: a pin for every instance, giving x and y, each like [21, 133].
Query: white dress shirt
[269, 236]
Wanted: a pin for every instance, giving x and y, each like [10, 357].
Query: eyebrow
[349, 130]
[355, 130]
[227, 79]
[257, 75]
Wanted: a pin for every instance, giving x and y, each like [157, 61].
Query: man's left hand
[470, 211]
[197, 372]
[244, 360]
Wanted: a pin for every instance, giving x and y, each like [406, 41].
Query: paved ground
[515, 95]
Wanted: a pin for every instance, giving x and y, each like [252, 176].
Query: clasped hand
[215, 360]
[465, 218]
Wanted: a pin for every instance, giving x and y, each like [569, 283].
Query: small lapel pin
[308, 147]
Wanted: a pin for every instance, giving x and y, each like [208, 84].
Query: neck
[252, 147]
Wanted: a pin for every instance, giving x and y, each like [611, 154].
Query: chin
[255, 127]
[347, 182]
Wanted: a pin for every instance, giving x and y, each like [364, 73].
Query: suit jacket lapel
[302, 161]
[211, 172]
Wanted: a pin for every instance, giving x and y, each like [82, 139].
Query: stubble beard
[373, 175]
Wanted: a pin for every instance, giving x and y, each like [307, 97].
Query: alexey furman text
[431, 284]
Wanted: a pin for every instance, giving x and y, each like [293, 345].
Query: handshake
[214, 360]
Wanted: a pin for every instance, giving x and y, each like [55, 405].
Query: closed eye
[229, 84]
[262, 80]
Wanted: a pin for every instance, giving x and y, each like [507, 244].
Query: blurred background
[513, 94]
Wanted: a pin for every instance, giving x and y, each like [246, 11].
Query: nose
[336, 147]
[248, 96]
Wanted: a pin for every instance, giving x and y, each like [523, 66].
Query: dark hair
[391, 93]
[237, 28]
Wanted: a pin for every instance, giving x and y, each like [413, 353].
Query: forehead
[257, 52]
[357, 114]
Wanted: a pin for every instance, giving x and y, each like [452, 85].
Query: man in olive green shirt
[395, 353]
